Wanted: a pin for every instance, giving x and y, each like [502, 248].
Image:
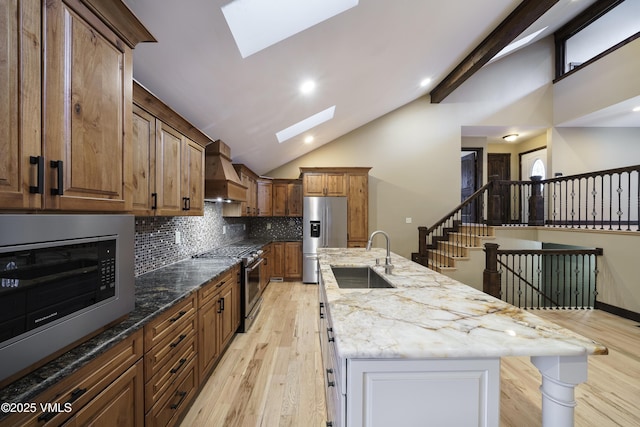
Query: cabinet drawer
[81, 387]
[167, 323]
[170, 348]
[166, 373]
[209, 291]
[175, 400]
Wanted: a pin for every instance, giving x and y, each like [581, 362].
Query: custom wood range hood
[221, 182]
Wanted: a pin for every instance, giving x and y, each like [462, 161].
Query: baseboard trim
[622, 312]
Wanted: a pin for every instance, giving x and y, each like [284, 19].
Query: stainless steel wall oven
[62, 277]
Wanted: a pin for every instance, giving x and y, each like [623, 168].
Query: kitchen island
[427, 351]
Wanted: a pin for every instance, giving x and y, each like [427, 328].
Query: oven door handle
[253, 266]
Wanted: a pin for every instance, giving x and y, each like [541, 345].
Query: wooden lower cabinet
[218, 317]
[120, 404]
[108, 388]
[286, 260]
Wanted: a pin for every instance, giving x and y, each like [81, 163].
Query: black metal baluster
[629, 201]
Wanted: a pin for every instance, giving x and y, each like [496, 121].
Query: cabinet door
[280, 199]
[357, 209]
[335, 184]
[265, 191]
[193, 175]
[313, 184]
[294, 199]
[20, 103]
[208, 337]
[87, 104]
[293, 260]
[143, 141]
[119, 404]
[277, 259]
[168, 170]
[225, 309]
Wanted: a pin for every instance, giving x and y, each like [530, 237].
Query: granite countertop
[155, 291]
[429, 315]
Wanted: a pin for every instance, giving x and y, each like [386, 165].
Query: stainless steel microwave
[62, 277]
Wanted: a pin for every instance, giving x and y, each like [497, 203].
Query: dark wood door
[468, 164]
[499, 164]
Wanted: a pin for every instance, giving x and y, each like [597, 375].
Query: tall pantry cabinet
[66, 121]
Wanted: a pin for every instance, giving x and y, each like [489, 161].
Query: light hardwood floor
[272, 375]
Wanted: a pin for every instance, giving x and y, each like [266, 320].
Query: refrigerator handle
[326, 225]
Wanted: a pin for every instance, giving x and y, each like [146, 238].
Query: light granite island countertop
[429, 349]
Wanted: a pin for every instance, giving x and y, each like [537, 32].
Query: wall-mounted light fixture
[511, 137]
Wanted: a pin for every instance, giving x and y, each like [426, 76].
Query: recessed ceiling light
[308, 139]
[511, 137]
[306, 124]
[425, 82]
[307, 87]
[636, 109]
[258, 24]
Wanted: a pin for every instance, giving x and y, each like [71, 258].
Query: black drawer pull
[220, 284]
[39, 187]
[329, 423]
[182, 395]
[46, 416]
[180, 338]
[329, 382]
[177, 368]
[57, 164]
[329, 337]
[182, 313]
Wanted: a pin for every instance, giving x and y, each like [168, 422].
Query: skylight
[306, 124]
[258, 24]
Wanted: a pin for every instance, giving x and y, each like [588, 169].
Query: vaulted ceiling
[367, 60]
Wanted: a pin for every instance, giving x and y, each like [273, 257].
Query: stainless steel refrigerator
[324, 226]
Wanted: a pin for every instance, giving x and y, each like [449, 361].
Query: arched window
[538, 169]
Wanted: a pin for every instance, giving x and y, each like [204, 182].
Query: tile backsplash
[156, 237]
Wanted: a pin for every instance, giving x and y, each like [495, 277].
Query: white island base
[449, 392]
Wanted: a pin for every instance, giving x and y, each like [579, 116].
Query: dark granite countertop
[156, 291]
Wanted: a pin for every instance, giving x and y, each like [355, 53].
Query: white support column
[560, 375]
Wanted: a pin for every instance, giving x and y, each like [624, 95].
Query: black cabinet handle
[177, 368]
[329, 382]
[180, 338]
[154, 197]
[74, 395]
[321, 313]
[220, 304]
[188, 203]
[39, 187]
[222, 299]
[180, 314]
[184, 204]
[182, 395]
[57, 164]
[329, 337]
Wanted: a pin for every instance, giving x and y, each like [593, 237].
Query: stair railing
[542, 278]
[435, 237]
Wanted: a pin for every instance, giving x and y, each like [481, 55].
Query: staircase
[458, 245]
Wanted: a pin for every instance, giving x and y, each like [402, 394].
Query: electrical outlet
[408, 220]
[244, 227]
[268, 226]
[224, 229]
[178, 237]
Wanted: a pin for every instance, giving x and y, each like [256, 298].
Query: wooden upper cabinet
[169, 168]
[194, 178]
[265, 196]
[20, 106]
[65, 140]
[87, 100]
[168, 159]
[324, 184]
[143, 185]
[287, 198]
[357, 209]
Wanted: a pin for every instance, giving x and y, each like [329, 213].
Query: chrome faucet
[387, 262]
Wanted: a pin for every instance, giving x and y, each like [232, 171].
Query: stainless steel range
[251, 278]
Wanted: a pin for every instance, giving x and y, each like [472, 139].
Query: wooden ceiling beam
[519, 20]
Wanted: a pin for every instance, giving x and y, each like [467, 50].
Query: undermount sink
[359, 278]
